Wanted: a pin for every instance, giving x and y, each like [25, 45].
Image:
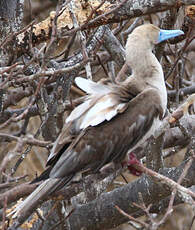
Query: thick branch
[102, 214]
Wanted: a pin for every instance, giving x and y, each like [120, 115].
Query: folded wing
[103, 103]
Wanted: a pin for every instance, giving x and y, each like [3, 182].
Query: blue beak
[166, 34]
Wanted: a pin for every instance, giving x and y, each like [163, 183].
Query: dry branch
[108, 13]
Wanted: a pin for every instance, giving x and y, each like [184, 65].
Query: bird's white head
[142, 40]
[152, 35]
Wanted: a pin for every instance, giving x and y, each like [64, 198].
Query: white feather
[91, 87]
[78, 111]
[110, 114]
[103, 115]
[94, 121]
[94, 116]
[101, 105]
[114, 111]
[105, 109]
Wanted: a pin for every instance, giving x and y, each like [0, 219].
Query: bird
[113, 119]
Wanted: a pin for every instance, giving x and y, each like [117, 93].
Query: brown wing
[111, 140]
[63, 141]
[119, 95]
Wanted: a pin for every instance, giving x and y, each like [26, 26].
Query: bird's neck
[143, 63]
[147, 72]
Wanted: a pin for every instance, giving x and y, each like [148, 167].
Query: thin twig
[85, 25]
[188, 41]
[145, 225]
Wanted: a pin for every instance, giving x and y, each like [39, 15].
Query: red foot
[132, 160]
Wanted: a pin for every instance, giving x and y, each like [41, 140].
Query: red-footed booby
[113, 119]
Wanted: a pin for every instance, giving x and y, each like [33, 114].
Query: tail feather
[44, 175]
[26, 208]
